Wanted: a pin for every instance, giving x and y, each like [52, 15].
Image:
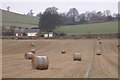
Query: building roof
[27, 30]
[31, 30]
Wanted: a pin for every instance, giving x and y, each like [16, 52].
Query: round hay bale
[100, 42]
[98, 52]
[98, 38]
[40, 62]
[32, 44]
[118, 46]
[33, 50]
[63, 51]
[28, 55]
[77, 57]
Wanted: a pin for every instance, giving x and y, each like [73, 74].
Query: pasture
[61, 65]
[19, 20]
[95, 28]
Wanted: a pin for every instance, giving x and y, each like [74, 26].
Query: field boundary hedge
[91, 36]
[85, 36]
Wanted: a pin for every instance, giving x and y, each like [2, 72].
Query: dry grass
[61, 66]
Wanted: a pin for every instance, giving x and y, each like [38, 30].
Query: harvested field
[61, 66]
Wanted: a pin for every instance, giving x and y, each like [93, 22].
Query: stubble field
[14, 65]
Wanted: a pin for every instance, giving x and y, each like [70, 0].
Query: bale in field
[32, 44]
[40, 62]
[100, 42]
[118, 46]
[63, 51]
[98, 52]
[28, 55]
[98, 38]
[77, 57]
[33, 50]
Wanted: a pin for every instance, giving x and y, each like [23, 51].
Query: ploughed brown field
[61, 65]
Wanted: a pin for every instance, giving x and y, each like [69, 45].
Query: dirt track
[61, 65]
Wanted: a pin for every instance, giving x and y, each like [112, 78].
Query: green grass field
[96, 28]
[18, 20]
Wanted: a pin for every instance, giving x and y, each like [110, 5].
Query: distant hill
[95, 28]
[18, 20]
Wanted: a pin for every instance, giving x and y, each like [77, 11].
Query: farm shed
[46, 35]
[27, 32]
[19, 32]
[49, 34]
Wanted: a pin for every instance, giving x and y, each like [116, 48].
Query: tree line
[50, 18]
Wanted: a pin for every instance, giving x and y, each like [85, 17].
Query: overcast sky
[23, 6]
